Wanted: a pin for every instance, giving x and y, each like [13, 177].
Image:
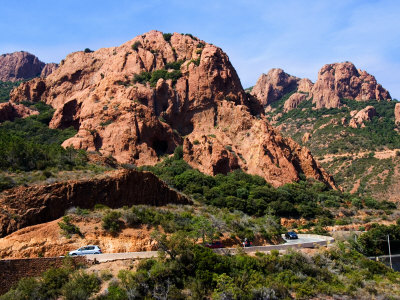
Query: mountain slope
[140, 100]
[355, 139]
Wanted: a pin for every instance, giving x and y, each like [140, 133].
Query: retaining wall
[12, 270]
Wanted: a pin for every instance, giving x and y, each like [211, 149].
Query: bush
[67, 228]
[87, 50]
[81, 286]
[111, 221]
[167, 36]
[136, 45]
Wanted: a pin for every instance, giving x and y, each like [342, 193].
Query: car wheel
[96, 253]
[73, 254]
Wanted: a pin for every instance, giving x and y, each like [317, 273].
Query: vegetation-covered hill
[364, 160]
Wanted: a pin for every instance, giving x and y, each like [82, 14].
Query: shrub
[111, 221]
[67, 228]
[136, 45]
[81, 286]
[87, 50]
[176, 65]
[167, 36]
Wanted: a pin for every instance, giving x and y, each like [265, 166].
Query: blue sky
[299, 36]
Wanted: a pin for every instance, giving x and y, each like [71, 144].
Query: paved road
[304, 241]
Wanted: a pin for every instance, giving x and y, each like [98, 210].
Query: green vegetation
[29, 144]
[5, 89]
[251, 194]
[176, 65]
[136, 45]
[167, 36]
[67, 228]
[186, 270]
[154, 76]
[375, 241]
[87, 50]
[111, 221]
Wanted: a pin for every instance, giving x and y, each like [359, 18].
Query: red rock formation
[305, 85]
[343, 80]
[23, 206]
[294, 101]
[10, 111]
[229, 138]
[364, 115]
[273, 85]
[19, 65]
[136, 122]
[48, 69]
[397, 113]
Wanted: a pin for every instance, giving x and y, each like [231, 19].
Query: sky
[299, 36]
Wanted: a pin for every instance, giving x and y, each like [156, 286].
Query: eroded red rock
[10, 111]
[137, 122]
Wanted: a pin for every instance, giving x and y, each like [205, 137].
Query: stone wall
[12, 270]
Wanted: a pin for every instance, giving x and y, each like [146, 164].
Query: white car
[91, 249]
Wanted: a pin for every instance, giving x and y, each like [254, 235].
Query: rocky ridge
[142, 99]
[335, 81]
[24, 206]
[23, 65]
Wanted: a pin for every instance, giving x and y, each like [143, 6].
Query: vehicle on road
[90, 249]
[291, 235]
[247, 243]
[214, 245]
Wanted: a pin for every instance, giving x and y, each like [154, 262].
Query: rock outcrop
[25, 206]
[19, 65]
[10, 111]
[272, 86]
[397, 113]
[225, 143]
[305, 85]
[137, 101]
[343, 80]
[48, 69]
[364, 115]
[294, 101]
[23, 65]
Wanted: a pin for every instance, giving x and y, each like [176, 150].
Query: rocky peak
[272, 86]
[19, 65]
[343, 80]
[23, 65]
[137, 101]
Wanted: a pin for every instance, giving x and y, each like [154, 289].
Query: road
[304, 241]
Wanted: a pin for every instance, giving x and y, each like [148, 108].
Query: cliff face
[138, 101]
[343, 80]
[25, 206]
[23, 65]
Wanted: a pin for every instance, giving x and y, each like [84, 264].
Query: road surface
[304, 241]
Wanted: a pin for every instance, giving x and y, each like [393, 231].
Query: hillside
[139, 101]
[356, 139]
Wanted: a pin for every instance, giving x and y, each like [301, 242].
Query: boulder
[294, 101]
[364, 115]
